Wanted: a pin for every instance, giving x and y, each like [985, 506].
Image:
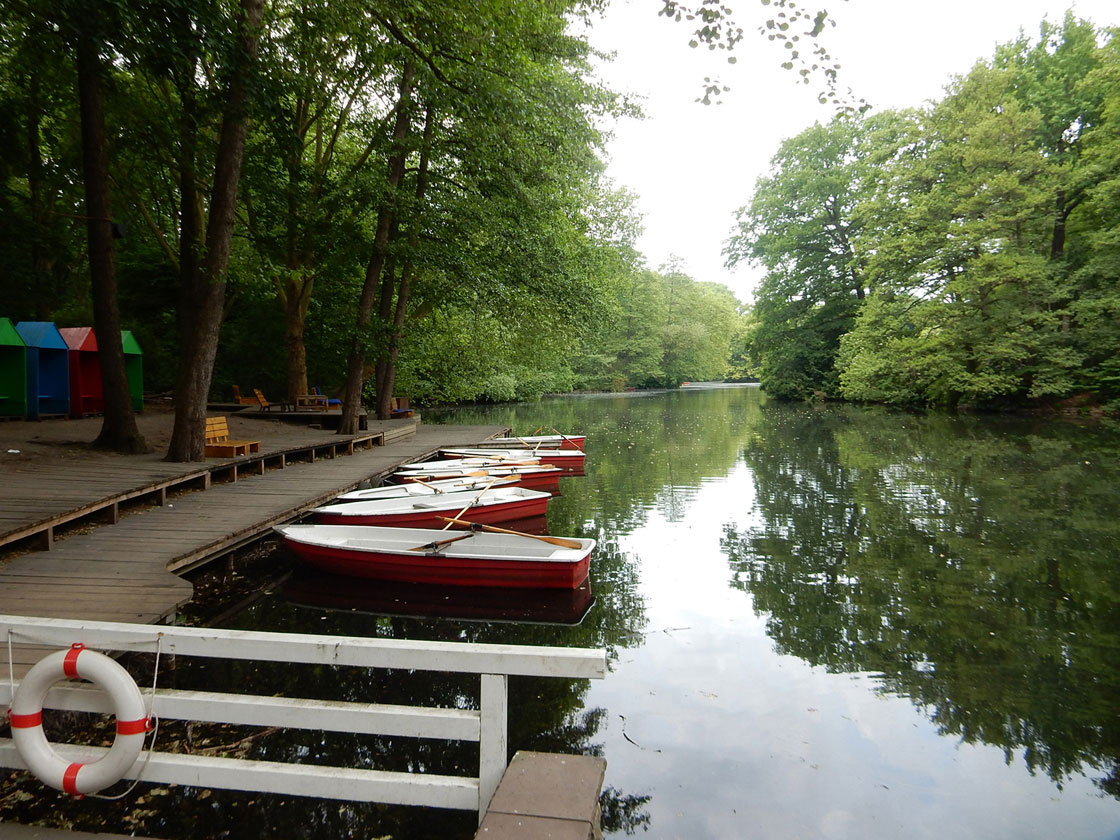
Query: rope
[11, 667]
[155, 730]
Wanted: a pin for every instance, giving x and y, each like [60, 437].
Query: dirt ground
[26, 442]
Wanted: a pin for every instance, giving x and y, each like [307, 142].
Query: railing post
[493, 739]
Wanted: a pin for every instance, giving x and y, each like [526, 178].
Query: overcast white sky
[693, 166]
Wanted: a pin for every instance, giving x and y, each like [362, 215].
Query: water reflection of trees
[970, 562]
[643, 453]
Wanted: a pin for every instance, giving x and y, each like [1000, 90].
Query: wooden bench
[243, 400]
[218, 443]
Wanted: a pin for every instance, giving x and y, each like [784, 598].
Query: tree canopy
[958, 253]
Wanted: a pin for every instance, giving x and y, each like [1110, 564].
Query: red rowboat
[447, 558]
[489, 505]
[567, 459]
[536, 442]
[535, 477]
[429, 488]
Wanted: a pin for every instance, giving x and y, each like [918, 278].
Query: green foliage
[962, 254]
[661, 330]
[507, 246]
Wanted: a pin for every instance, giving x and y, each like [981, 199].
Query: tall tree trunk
[296, 299]
[355, 373]
[196, 358]
[387, 372]
[1058, 237]
[40, 254]
[118, 430]
[299, 281]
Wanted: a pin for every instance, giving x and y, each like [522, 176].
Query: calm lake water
[821, 622]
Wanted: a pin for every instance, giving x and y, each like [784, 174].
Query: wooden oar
[438, 544]
[560, 541]
[489, 484]
[430, 487]
[564, 437]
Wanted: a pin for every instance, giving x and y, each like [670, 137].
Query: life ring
[26, 716]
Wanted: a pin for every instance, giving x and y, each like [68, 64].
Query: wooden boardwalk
[125, 571]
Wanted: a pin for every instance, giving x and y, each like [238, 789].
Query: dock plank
[126, 571]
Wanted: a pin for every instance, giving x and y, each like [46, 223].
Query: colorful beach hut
[87, 395]
[133, 368]
[48, 369]
[13, 371]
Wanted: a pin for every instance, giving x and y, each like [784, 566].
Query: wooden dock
[141, 520]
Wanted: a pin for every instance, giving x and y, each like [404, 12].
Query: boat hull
[567, 459]
[425, 489]
[494, 560]
[518, 503]
[547, 480]
[537, 442]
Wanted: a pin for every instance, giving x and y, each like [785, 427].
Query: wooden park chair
[218, 443]
[243, 400]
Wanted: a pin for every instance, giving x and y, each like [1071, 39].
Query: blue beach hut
[48, 369]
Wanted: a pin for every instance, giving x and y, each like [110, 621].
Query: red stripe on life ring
[132, 727]
[27, 721]
[70, 779]
[70, 663]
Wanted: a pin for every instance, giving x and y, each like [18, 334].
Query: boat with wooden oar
[318, 590]
[484, 556]
[489, 505]
[567, 459]
[557, 441]
[474, 462]
[420, 489]
[534, 477]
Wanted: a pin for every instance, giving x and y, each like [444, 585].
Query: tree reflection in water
[961, 560]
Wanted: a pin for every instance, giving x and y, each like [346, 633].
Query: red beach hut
[87, 395]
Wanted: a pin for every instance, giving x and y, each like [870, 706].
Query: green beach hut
[13, 371]
[133, 368]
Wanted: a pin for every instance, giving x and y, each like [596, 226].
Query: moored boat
[420, 555]
[534, 477]
[558, 441]
[420, 489]
[568, 459]
[489, 505]
[451, 463]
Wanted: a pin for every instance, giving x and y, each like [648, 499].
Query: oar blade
[559, 541]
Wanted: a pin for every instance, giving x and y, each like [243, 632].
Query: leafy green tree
[803, 227]
[972, 309]
[308, 179]
[1095, 313]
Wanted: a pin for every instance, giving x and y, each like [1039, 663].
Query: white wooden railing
[487, 725]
